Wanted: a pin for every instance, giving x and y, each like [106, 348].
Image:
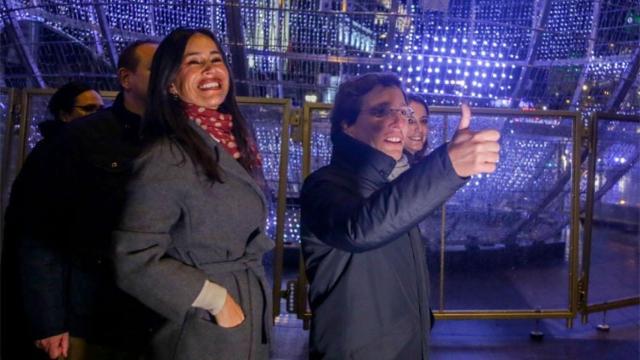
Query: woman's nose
[208, 67]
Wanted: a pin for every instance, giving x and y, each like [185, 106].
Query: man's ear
[65, 117]
[123, 78]
[346, 128]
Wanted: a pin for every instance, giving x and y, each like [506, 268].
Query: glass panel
[320, 139]
[6, 134]
[507, 233]
[294, 184]
[38, 113]
[615, 268]
[4, 114]
[320, 156]
[267, 120]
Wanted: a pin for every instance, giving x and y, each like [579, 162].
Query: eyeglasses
[386, 112]
[90, 108]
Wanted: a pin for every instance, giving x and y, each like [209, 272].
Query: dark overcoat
[64, 204]
[365, 260]
[179, 229]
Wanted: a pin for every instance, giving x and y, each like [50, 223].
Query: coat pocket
[208, 319]
[200, 338]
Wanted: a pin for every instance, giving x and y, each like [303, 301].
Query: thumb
[65, 345]
[465, 118]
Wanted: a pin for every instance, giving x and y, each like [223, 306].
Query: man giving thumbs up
[364, 256]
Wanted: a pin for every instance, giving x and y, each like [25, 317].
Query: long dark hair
[165, 116]
[422, 101]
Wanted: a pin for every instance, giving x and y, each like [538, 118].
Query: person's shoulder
[93, 124]
[165, 155]
[39, 154]
[324, 172]
[163, 163]
[327, 176]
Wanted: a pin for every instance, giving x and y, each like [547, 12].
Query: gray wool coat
[179, 229]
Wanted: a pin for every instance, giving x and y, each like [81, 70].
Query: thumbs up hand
[472, 152]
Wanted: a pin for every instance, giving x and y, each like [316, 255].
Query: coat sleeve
[143, 238]
[338, 216]
[36, 218]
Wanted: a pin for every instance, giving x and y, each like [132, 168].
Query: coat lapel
[230, 166]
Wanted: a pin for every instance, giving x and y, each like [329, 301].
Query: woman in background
[415, 145]
[192, 236]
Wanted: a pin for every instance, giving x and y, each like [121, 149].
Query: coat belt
[251, 266]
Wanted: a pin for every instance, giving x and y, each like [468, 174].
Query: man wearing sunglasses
[364, 257]
[72, 305]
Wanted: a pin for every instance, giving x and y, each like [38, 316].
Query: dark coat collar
[126, 118]
[364, 160]
[412, 158]
[50, 128]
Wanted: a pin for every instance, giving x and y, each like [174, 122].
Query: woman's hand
[230, 315]
[55, 346]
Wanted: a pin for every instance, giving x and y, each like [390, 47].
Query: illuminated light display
[301, 50]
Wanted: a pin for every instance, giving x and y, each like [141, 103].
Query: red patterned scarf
[218, 126]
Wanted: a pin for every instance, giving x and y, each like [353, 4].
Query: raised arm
[339, 217]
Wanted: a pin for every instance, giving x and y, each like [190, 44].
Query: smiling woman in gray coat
[191, 239]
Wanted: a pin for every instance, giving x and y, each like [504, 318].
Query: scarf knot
[219, 125]
[216, 124]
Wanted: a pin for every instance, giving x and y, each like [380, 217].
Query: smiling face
[380, 123]
[203, 77]
[417, 129]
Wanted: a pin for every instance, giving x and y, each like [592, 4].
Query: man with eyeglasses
[70, 102]
[364, 257]
[63, 226]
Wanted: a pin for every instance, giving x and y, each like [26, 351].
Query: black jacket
[21, 215]
[64, 205]
[364, 257]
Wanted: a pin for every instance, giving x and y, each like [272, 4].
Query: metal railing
[564, 131]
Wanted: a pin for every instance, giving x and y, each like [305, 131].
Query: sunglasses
[90, 107]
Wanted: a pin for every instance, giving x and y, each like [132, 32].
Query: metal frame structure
[568, 314]
[629, 75]
[105, 46]
[536, 39]
[106, 34]
[287, 122]
[6, 155]
[585, 307]
[20, 43]
[575, 100]
[236, 38]
[6, 147]
[20, 114]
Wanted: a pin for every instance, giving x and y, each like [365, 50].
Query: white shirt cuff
[211, 297]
